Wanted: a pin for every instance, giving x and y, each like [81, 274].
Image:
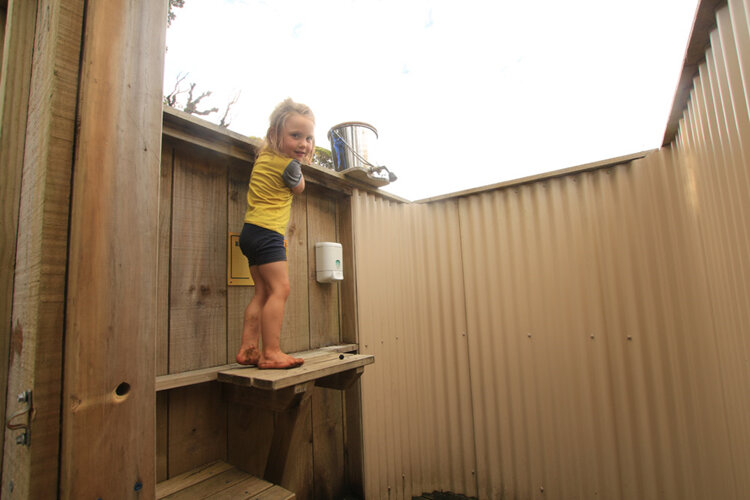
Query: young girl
[275, 178]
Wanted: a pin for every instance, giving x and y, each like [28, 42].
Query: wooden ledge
[219, 480]
[193, 377]
[319, 365]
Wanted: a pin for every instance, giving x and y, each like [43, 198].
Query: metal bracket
[25, 438]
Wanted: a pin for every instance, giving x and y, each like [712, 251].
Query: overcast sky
[463, 94]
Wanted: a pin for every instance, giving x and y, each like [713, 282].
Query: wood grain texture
[108, 433]
[327, 412]
[193, 130]
[197, 332]
[328, 443]
[217, 486]
[323, 297]
[277, 401]
[38, 111]
[314, 368]
[220, 481]
[165, 242]
[190, 478]
[197, 427]
[290, 462]
[275, 492]
[295, 332]
[353, 440]
[193, 377]
[19, 24]
[352, 403]
[249, 434]
[238, 297]
[162, 436]
[348, 287]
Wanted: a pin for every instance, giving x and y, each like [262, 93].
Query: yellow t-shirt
[269, 200]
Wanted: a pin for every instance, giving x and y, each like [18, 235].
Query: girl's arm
[299, 187]
[293, 177]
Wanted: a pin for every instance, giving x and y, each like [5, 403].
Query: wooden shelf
[193, 377]
[219, 480]
[319, 365]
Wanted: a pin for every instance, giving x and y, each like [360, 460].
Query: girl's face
[297, 139]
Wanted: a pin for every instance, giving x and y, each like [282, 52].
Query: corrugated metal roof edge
[699, 40]
[544, 176]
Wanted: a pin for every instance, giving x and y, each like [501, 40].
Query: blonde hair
[277, 121]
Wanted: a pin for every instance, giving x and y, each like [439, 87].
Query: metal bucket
[351, 145]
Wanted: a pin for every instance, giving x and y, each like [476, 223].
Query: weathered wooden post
[40, 77]
[109, 399]
[81, 137]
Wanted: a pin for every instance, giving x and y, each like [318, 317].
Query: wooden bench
[219, 480]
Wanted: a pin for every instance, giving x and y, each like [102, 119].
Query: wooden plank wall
[14, 99]
[197, 300]
[203, 198]
[38, 118]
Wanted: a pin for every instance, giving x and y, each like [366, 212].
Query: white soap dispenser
[329, 265]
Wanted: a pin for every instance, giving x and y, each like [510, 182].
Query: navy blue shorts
[261, 245]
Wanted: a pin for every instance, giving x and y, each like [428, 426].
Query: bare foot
[279, 361]
[249, 356]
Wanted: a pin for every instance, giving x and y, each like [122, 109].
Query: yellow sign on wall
[238, 270]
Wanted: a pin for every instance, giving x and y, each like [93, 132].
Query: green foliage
[322, 157]
[173, 4]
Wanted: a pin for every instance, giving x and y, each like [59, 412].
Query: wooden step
[319, 365]
[220, 480]
[192, 377]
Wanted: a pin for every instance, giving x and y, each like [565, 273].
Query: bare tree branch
[171, 99]
[224, 123]
[191, 106]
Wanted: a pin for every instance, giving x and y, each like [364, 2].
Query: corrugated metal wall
[715, 137]
[583, 336]
[416, 405]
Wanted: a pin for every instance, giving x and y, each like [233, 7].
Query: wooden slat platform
[219, 480]
[318, 365]
[192, 377]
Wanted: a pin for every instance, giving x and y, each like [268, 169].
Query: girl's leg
[275, 278]
[249, 354]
